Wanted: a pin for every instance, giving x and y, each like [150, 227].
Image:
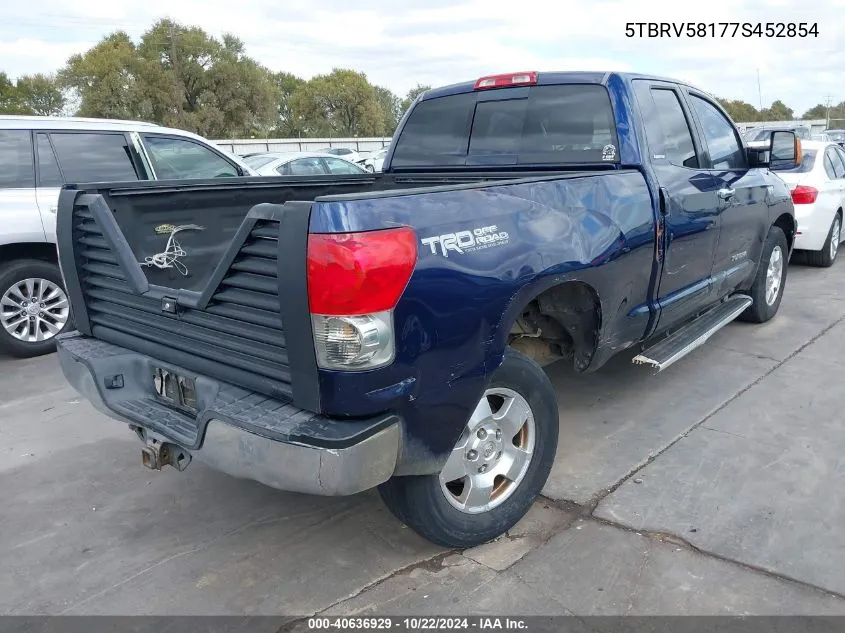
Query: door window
[16, 168]
[93, 157]
[303, 167]
[836, 163]
[337, 166]
[48, 167]
[178, 158]
[725, 149]
[677, 139]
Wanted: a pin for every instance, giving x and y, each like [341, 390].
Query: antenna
[828, 100]
[759, 90]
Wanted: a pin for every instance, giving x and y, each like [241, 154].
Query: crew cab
[330, 334]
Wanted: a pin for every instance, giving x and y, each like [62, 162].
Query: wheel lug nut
[472, 455]
[482, 468]
[482, 433]
[498, 434]
[41, 305]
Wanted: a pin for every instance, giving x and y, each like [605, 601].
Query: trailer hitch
[156, 455]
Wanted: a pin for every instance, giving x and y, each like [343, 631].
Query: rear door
[70, 156]
[19, 218]
[689, 202]
[837, 156]
[741, 195]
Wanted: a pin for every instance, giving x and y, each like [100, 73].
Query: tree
[412, 95]
[287, 123]
[40, 95]
[777, 112]
[342, 103]
[178, 76]
[9, 103]
[740, 111]
[390, 107]
[104, 79]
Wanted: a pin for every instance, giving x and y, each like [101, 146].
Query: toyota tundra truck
[332, 334]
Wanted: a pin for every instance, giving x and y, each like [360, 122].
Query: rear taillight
[804, 195]
[354, 282]
[528, 78]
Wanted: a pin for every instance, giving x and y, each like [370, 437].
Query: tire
[764, 308]
[28, 336]
[421, 502]
[825, 257]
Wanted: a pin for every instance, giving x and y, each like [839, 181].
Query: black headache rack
[241, 318]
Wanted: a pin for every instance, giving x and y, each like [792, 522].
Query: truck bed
[241, 312]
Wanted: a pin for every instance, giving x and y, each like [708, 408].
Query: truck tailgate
[223, 311]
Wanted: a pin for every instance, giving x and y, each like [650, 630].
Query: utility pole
[759, 90]
[828, 99]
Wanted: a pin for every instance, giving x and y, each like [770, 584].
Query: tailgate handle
[726, 194]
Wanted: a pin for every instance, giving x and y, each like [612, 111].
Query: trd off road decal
[467, 241]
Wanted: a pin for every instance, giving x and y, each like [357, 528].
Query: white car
[374, 161]
[300, 164]
[40, 154]
[345, 153]
[818, 192]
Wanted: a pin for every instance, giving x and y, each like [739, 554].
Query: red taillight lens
[359, 273]
[804, 195]
[528, 78]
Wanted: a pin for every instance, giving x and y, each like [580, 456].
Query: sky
[399, 44]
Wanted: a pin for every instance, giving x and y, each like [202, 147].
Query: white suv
[40, 154]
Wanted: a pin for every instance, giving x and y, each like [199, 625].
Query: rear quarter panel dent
[453, 318]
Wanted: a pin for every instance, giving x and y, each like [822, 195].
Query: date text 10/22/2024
[422, 623]
[722, 29]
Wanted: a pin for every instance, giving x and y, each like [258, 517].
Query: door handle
[54, 209]
[726, 194]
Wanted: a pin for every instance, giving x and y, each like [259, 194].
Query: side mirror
[782, 152]
[785, 152]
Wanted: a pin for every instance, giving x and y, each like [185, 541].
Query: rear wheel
[767, 289]
[33, 307]
[825, 257]
[496, 469]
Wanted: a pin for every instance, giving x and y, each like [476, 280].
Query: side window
[828, 166]
[48, 167]
[93, 157]
[722, 142]
[303, 167]
[177, 158]
[838, 166]
[840, 152]
[677, 138]
[337, 166]
[16, 168]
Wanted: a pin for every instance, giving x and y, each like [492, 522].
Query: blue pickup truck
[332, 334]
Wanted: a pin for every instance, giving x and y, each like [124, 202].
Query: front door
[742, 192]
[48, 183]
[689, 202]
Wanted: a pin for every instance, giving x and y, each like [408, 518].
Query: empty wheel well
[561, 322]
[28, 250]
[786, 224]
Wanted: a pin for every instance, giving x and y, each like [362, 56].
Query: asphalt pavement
[710, 488]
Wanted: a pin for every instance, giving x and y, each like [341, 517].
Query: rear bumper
[241, 433]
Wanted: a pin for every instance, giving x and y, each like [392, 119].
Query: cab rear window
[566, 124]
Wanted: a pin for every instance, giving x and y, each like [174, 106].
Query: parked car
[817, 186]
[40, 154]
[759, 137]
[821, 137]
[337, 334]
[301, 164]
[374, 160]
[837, 136]
[343, 152]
